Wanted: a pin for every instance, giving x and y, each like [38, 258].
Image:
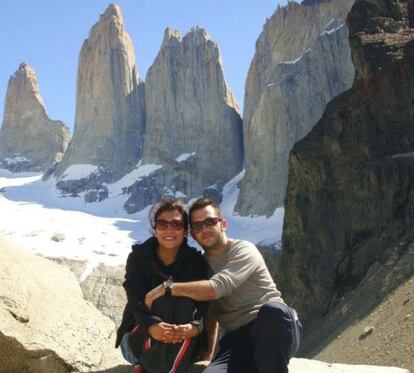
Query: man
[261, 333]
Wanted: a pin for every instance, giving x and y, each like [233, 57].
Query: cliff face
[110, 112]
[194, 130]
[350, 196]
[29, 140]
[190, 108]
[302, 61]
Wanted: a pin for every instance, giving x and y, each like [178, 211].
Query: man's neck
[219, 249]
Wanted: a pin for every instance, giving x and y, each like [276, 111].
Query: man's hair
[204, 202]
[167, 204]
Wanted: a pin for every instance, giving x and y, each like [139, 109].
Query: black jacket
[145, 271]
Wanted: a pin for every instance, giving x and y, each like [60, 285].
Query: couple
[168, 285]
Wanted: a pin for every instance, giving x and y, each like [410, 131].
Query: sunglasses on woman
[163, 225]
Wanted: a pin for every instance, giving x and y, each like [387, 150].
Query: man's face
[208, 228]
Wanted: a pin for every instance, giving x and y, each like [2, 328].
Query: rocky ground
[384, 337]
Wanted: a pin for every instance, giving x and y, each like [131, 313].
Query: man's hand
[185, 331]
[154, 294]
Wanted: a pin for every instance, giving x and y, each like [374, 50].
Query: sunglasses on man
[198, 226]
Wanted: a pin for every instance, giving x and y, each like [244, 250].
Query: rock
[58, 237]
[110, 112]
[29, 140]
[367, 331]
[96, 195]
[177, 179]
[349, 205]
[189, 102]
[103, 287]
[302, 61]
[46, 325]
[215, 192]
[77, 267]
[92, 183]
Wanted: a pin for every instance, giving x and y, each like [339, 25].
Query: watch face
[167, 286]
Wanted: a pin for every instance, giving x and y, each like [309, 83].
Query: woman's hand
[170, 333]
[164, 332]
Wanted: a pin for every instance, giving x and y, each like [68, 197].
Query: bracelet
[198, 324]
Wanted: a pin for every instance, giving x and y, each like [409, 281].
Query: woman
[162, 339]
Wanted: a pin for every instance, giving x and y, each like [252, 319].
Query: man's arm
[196, 290]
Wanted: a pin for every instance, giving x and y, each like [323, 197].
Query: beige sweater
[242, 284]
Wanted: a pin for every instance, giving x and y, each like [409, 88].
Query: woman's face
[169, 230]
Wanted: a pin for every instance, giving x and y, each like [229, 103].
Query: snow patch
[32, 211]
[330, 23]
[332, 30]
[15, 160]
[8, 178]
[184, 157]
[295, 60]
[140, 171]
[79, 171]
[401, 155]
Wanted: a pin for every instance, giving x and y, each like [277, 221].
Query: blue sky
[48, 34]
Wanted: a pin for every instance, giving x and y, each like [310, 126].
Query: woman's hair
[167, 204]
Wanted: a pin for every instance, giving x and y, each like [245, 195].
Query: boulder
[103, 287]
[45, 323]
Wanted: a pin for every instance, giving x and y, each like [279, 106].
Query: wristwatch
[167, 286]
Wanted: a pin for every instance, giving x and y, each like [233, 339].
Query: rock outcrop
[110, 102]
[103, 287]
[302, 61]
[29, 140]
[179, 178]
[193, 121]
[45, 324]
[350, 196]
